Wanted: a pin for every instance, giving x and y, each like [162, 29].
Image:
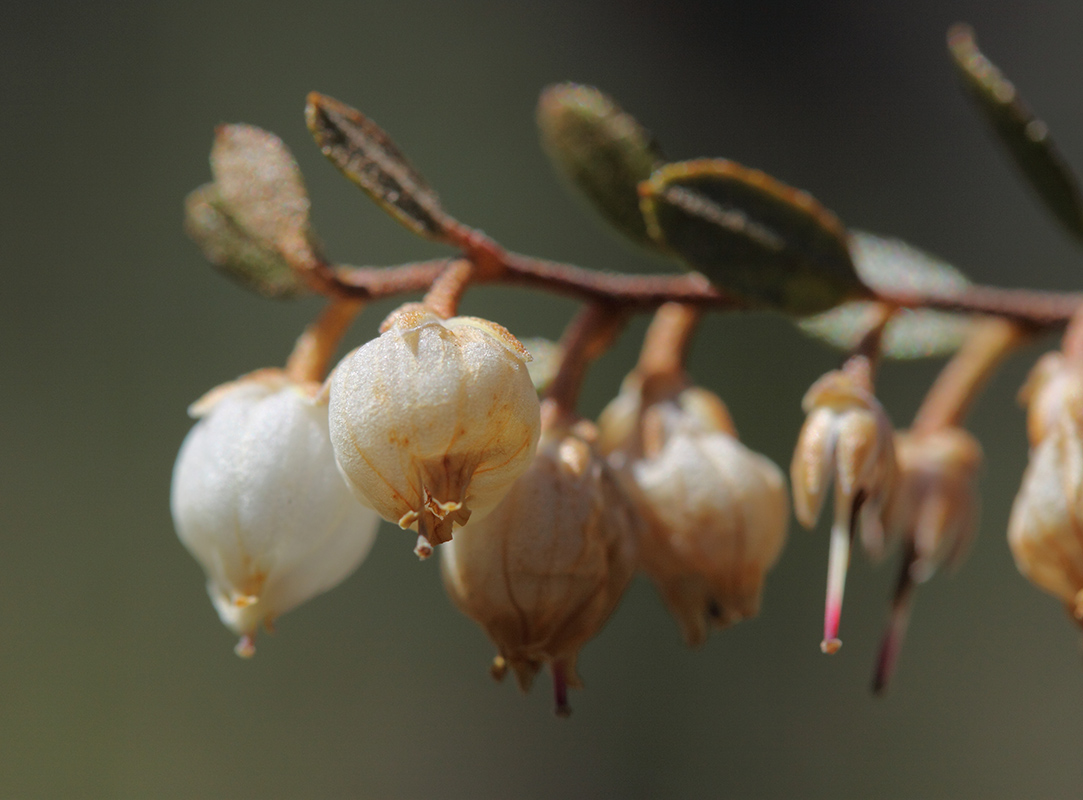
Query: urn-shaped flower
[1047, 516]
[848, 440]
[434, 420]
[716, 511]
[542, 572]
[259, 502]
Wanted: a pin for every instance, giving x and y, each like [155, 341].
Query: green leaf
[1025, 136]
[889, 265]
[233, 250]
[600, 150]
[751, 235]
[260, 186]
[367, 156]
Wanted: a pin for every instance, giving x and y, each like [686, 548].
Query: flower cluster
[543, 517]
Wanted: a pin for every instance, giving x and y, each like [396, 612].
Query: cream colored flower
[1045, 530]
[847, 439]
[542, 572]
[716, 511]
[434, 420]
[259, 502]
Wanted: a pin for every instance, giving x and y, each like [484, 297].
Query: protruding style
[848, 439]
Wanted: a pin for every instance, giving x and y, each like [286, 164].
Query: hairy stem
[586, 338]
[317, 344]
[963, 378]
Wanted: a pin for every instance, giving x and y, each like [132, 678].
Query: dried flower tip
[847, 439]
[716, 512]
[433, 420]
[257, 499]
[542, 572]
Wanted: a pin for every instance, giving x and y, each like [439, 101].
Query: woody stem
[317, 344]
[963, 378]
[668, 340]
[586, 338]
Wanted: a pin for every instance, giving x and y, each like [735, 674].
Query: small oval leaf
[234, 251]
[1025, 136]
[367, 156]
[892, 266]
[260, 185]
[600, 150]
[752, 235]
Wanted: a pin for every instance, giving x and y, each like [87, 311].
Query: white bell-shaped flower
[258, 500]
[434, 420]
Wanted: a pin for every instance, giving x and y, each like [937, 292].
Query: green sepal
[752, 235]
[1024, 135]
[601, 151]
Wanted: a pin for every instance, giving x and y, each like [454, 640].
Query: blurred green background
[116, 678]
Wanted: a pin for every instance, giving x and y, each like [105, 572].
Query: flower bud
[847, 438]
[935, 503]
[259, 502]
[434, 420]
[542, 572]
[716, 512]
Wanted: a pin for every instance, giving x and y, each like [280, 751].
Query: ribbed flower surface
[434, 420]
[1045, 530]
[717, 512]
[542, 572]
[258, 500]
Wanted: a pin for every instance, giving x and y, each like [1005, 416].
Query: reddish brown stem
[862, 363]
[962, 379]
[586, 338]
[315, 347]
[448, 288]
[668, 340]
[1072, 342]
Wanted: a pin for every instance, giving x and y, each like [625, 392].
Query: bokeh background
[116, 679]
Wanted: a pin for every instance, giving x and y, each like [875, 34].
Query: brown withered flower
[716, 512]
[934, 510]
[1045, 530]
[542, 572]
[847, 439]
